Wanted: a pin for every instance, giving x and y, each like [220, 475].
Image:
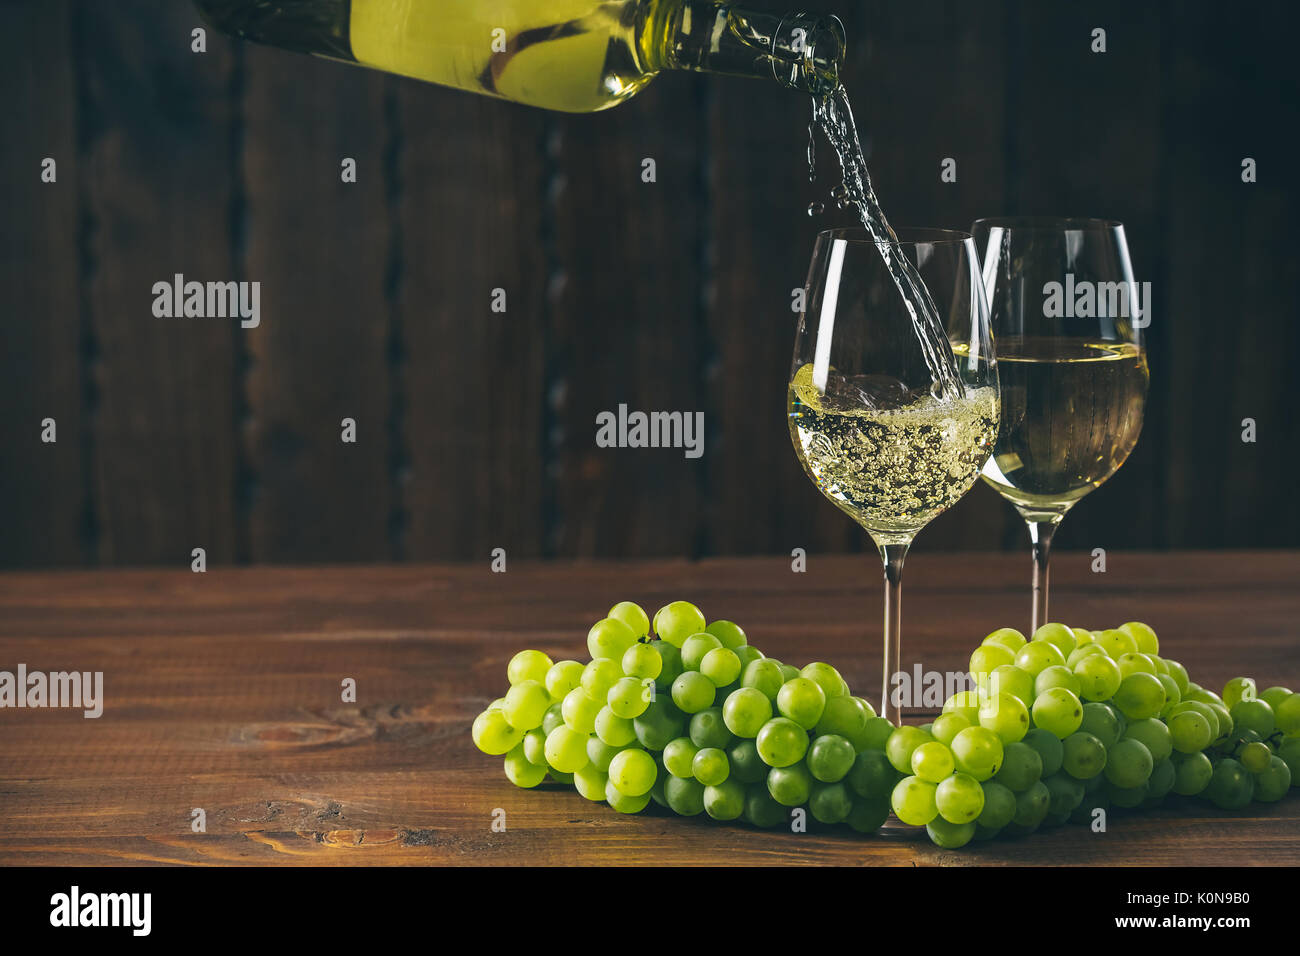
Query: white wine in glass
[1073, 371]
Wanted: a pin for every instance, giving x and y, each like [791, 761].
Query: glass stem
[1040, 538]
[892, 555]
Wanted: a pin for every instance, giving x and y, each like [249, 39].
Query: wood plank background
[475, 428]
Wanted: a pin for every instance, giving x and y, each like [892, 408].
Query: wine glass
[893, 417]
[1068, 318]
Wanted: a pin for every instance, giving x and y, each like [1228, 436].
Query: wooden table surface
[223, 693]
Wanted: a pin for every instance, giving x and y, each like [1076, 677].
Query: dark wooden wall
[476, 429]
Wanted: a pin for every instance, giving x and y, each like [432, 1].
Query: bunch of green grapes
[696, 719]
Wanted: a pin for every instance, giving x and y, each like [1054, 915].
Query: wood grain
[222, 692]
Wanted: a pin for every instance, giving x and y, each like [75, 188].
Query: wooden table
[223, 693]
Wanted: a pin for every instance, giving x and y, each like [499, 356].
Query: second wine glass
[873, 414]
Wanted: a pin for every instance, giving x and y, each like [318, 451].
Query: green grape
[1007, 637]
[580, 711]
[748, 654]
[528, 665]
[730, 634]
[845, 716]
[868, 816]
[1005, 715]
[1056, 634]
[1099, 720]
[599, 754]
[959, 798]
[1251, 714]
[830, 803]
[802, 701]
[1289, 751]
[1099, 677]
[494, 735]
[1143, 637]
[498, 704]
[609, 638]
[633, 772]
[1135, 664]
[1117, 643]
[1058, 711]
[708, 729]
[1082, 637]
[677, 621]
[1021, 767]
[826, 677]
[902, 742]
[761, 810]
[1155, 735]
[932, 762]
[1083, 756]
[693, 692]
[566, 749]
[1197, 707]
[1032, 805]
[1272, 696]
[1238, 689]
[721, 665]
[599, 676]
[790, 786]
[725, 801]
[1231, 785]
[624, 803]
[670, 659]
[1197, 692]
[1037, 656]
[553, 717]
[949, 836]
[591, 783]
[1080, 652]
[1172, 695]
[1226, 723]
[1272, 783]
[781, 742]
[685, 796]
[999, 806]
[966, 703]
[1192, 773]
[695, 647]
[1056, 676]
[764, 676]
[526, 704]
[1049, 747]
[534, 745]
[1286, 714]
[1065, 793]
[926, 728]
[1190, 732]
[612, 729]
[745, 712]
[985, 658]
[788, 672]
[661, 722]
[710, 766]
[977, 751]
[1010, 679]
[679, 755]
[746, 765]
[642, 660]
[1179, 673]
[633, 616]
[1140, 696]
[1129, 764]
[559, 777]
[831, 757]
[562, 678]
[1255, 757]
[877, 734]
[913, 801]
[1128, 797]
[872, 776]
[947, 726]
[521, 771]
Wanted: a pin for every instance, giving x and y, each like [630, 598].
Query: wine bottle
[577, 56]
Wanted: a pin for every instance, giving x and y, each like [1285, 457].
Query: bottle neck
[803, 51]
